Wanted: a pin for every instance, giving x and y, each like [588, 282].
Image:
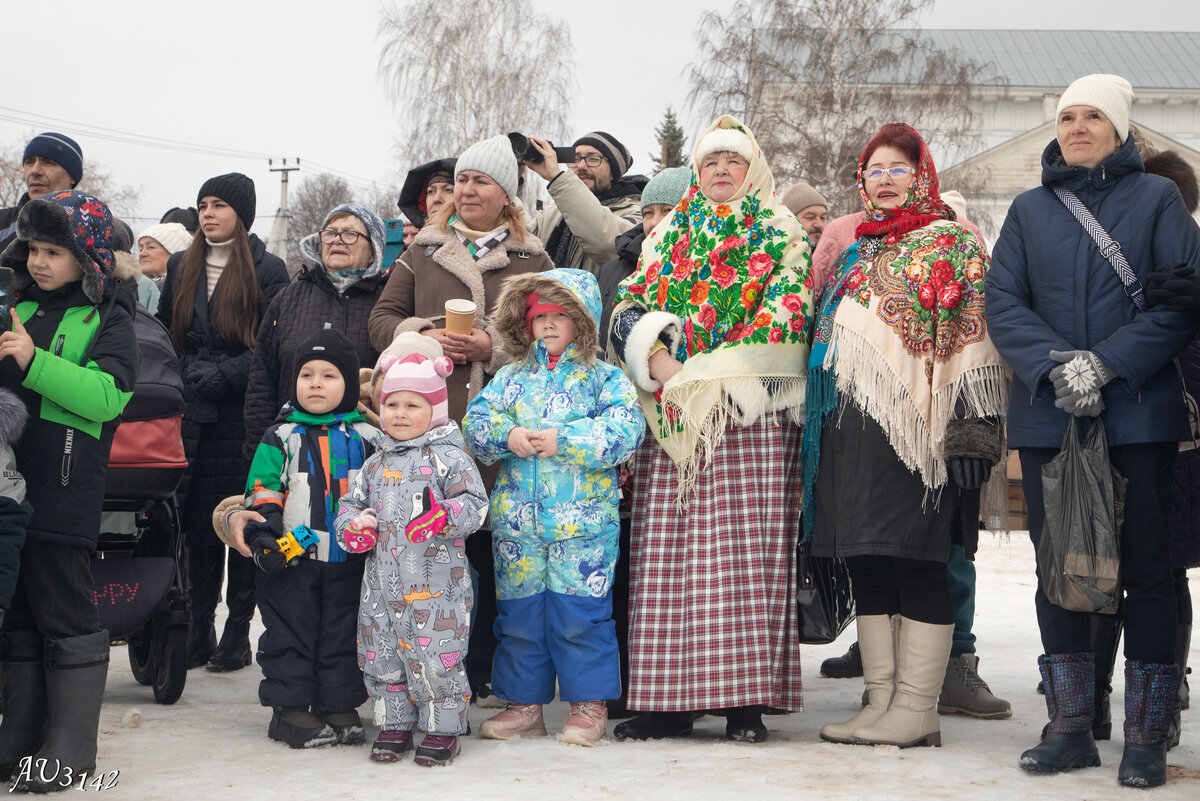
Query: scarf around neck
[477, 243]
[736, 277]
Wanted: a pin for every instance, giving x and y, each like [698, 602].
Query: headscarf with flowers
[734, 277]
[901, 332]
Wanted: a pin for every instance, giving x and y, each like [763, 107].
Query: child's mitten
[267, 555]
[431, 522]
[360, 533]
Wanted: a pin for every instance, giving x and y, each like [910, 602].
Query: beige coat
[436, 268]
[594, 224]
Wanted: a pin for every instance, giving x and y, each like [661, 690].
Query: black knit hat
[235, 189]
[331, 346]
[618, 157]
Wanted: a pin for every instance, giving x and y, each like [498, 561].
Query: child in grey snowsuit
[14, 510]
[411, 508]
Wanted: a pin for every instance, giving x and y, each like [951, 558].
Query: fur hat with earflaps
[74, 221]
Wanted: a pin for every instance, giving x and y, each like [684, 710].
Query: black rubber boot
[233, 651]
[1106, 643]
[204, 568]
[348, 727]
[744, 724]
[1151, 695]
[847, 666]
[24, 723]
[1067, 743]
[76, 670]
[655, 726]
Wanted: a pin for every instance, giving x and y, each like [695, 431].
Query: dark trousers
[1149, 608]
[308, 652]
[620, 601]
[481, 646]
[887, 585]
[54, 594]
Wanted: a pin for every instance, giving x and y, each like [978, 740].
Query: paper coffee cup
[460, 316]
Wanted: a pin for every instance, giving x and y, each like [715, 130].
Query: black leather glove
[969, 472]
[266, 552]
[1174, 288]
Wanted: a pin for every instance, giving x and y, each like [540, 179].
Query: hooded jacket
[299, 310]
[1050, 289]
[591, 403]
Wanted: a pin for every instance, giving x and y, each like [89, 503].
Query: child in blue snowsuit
[559, 421]
[303, 465]
[410, 510]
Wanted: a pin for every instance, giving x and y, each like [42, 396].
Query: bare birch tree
[814, 79]
[459, 71]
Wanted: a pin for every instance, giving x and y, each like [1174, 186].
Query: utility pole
[277, 241]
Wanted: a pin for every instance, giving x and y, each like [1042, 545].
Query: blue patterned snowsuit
[415, 608]
[554, 521]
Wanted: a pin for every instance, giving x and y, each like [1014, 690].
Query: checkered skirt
[713, 587]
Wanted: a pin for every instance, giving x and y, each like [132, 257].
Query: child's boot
[348, 727]
[517, 720]
[391, 744]
[586, 723]
[437, 750]
[300, 728]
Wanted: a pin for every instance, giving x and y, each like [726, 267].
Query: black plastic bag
[824, 598]
[1079, 555]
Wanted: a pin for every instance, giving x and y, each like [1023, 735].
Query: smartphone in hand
[6, 298]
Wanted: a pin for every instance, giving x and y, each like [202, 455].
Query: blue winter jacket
[1050, 289]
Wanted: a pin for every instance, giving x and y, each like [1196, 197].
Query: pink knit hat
[418, 373]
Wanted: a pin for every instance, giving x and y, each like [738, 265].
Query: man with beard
[593, 201]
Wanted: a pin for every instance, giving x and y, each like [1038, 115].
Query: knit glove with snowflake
[1078, 380]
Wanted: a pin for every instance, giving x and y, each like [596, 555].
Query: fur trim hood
[1171, 165]
[13, 415]
[126, 267]
[574, 290]
[74, 221]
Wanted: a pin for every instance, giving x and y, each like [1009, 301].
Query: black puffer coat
[300, 310]
[610, 276]
[213, 424]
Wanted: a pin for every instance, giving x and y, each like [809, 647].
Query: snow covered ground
[212, 744]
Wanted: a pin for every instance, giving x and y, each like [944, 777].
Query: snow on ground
[212, 744]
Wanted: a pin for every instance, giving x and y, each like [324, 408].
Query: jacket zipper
[59, 342]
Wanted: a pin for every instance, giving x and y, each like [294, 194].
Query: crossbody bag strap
[1110, 248]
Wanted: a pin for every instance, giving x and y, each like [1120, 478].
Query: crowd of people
[595, 486]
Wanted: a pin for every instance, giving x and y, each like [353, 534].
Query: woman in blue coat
[1078, 345]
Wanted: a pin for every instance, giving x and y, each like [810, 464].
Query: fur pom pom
[386, 361]
[443, 366]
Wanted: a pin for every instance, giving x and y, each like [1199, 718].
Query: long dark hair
[239, 300]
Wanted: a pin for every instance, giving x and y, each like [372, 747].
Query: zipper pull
[59, 342]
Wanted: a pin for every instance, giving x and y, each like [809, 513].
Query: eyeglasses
[349, 236]
[591, 159]
[897, 173]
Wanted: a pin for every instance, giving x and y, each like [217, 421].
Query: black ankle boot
[847, 666]
[654, 726]
[744, 724]
[1067, 741]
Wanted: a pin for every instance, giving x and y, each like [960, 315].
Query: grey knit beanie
[494, 158]
[667, 187]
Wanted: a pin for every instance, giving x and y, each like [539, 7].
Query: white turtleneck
[215, 260]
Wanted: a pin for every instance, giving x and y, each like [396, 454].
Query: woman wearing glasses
[905, 395]
[212, 301]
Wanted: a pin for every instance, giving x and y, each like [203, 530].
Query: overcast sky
[299, 78]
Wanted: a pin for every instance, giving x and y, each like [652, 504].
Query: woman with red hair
[903, 401]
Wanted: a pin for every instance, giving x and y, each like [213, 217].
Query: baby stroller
[140, 590]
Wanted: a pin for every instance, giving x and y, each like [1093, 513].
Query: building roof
[1040, 58]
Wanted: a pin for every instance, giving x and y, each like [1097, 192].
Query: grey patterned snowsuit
[414, 612]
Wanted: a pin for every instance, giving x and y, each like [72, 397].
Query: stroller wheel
[170, 664]
[139, 657]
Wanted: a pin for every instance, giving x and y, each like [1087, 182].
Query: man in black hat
[593, 201]
[51, 162]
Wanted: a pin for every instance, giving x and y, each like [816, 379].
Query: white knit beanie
[494, 158]
[1112, 94]
[172, 236]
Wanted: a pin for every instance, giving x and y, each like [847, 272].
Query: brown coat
[436, 268]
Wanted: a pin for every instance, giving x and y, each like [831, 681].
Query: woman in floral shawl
[904, 400]
[713, 329]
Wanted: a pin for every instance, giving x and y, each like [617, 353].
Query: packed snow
[213, 742]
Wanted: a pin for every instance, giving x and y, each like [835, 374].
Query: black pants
[1149, 609]
[54, 594]
[887, 585]
[481, 646]
[308, 653]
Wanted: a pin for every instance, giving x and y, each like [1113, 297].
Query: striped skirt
[713, 587]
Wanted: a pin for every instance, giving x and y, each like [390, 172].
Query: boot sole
[1033, 766]
[930, 740]
[486, 732]
[579, 738]
[955, 710]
